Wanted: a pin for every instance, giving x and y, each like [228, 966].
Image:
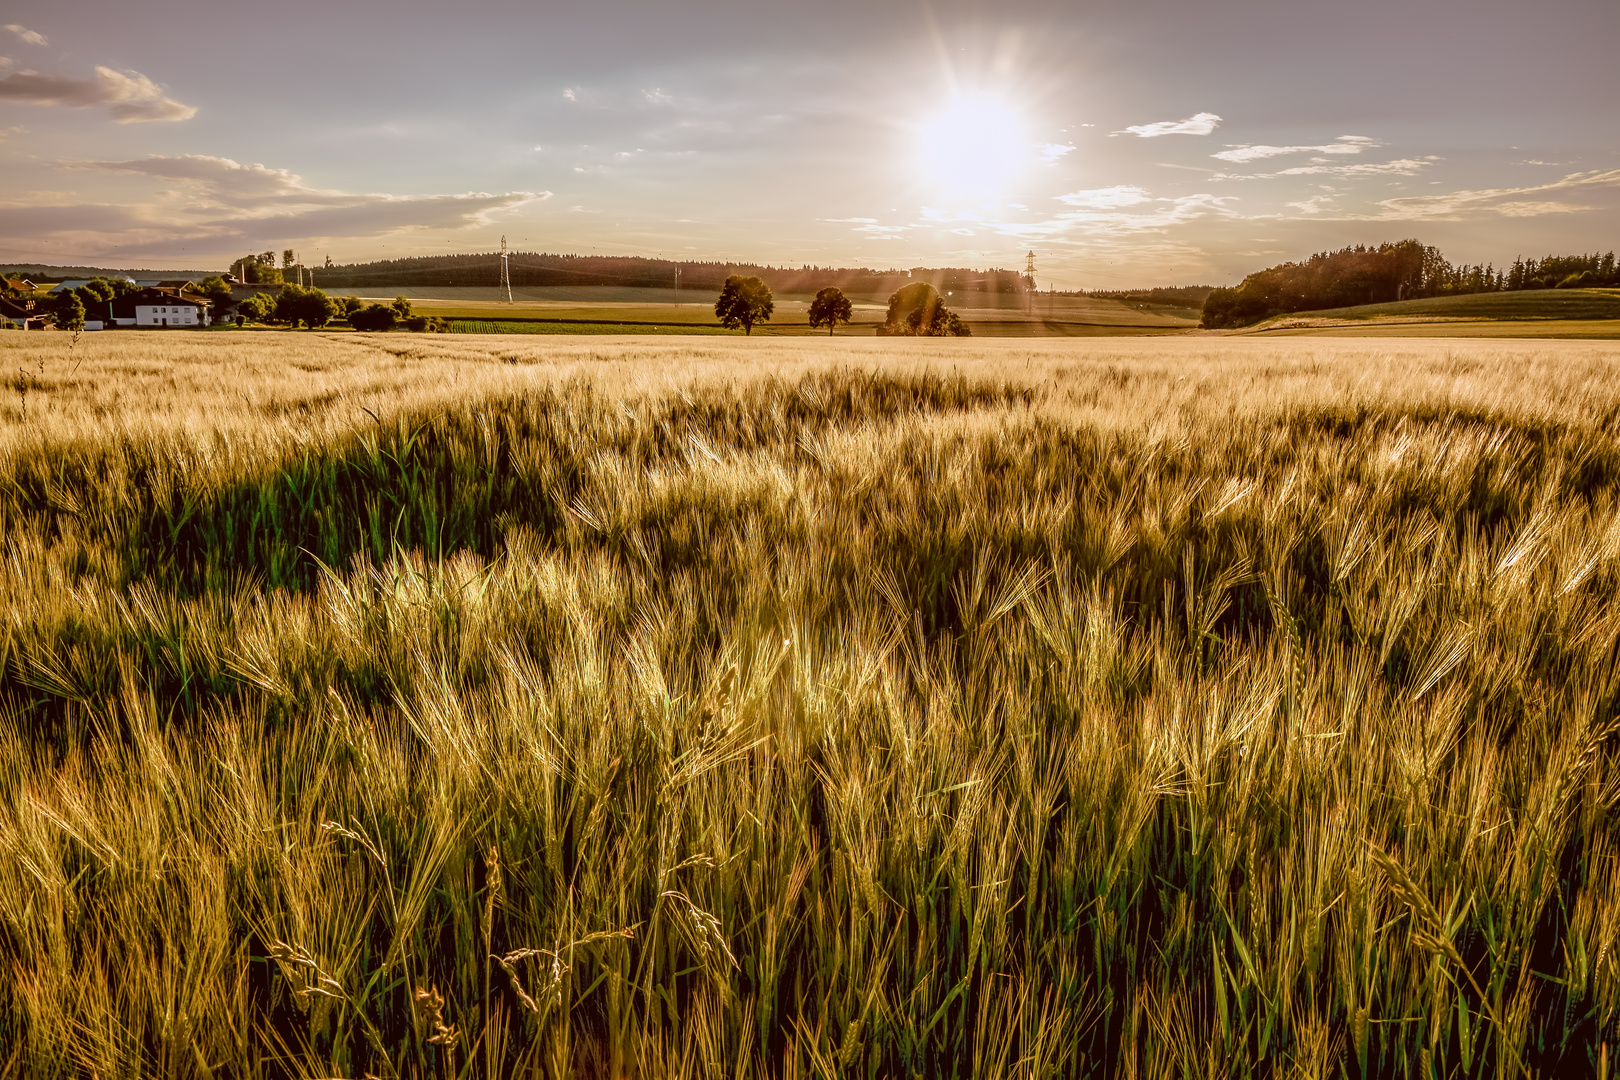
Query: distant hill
[41, 272]
[1529, 305]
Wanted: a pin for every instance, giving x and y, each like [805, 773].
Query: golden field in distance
[448, 705]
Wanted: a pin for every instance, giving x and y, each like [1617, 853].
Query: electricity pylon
[506, 272]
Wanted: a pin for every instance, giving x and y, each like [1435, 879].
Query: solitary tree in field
[917, 310]
[402, 307]
[829, 308]
[743, 302]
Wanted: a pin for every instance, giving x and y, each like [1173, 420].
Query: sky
[1126, 142]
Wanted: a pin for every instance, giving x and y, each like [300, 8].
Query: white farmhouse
[159, 307]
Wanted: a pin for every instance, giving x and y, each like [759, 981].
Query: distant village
[111, 302]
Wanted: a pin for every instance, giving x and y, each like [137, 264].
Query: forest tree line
[1182, 296]
[538, 269]
[1407, 270]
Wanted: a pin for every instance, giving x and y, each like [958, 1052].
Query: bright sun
[972, 148]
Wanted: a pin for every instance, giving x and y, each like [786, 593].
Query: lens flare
[973, 148]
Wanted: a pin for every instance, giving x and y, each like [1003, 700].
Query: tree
[70, 312]
[373, 320]
[218, 293]
[743, 302]
[258, 307]
[348, 305]
[916, 310]
[402, 307]
[1331, 279]
[257, 269]
[288, 258]
[427, 324]
[829, 308]
[95, 290]
[310, 307]
[940, 322]
[918, 296]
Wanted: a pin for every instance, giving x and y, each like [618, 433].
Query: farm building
[22, 314]
[158, 307]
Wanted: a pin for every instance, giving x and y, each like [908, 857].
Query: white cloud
[1344, 144]
[883, 232]
[6, 133]
[1201, 124]
[1051, 152]
[1109, 198]
[30, 36]
[1117, 212]
[1399, 167]
[131, 96]
[1322, 167]
[1503, 202]
[1314, 205]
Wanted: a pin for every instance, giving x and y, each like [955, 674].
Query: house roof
[124, 307]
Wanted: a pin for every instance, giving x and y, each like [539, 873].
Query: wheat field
[470, 707]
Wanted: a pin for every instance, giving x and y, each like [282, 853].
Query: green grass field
[452, 706]
[1531, 329]
[587, 310]
[1530, 305]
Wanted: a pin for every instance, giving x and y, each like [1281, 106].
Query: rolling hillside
[1535, 304]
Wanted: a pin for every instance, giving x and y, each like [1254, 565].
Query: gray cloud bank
[130, 96]
[227, 202]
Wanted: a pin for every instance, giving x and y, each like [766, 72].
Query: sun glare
[973, 148]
